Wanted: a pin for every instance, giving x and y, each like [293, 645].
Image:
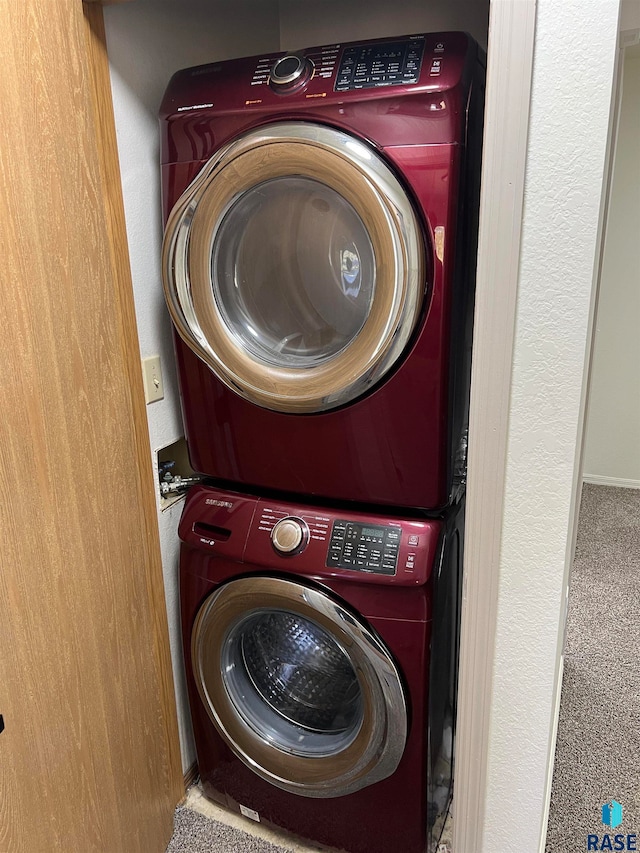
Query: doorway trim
[511, 43]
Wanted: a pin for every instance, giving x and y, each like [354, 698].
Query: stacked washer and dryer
[319, 262]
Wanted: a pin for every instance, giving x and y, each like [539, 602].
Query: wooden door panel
[89, 758]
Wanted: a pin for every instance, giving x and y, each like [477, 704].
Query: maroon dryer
[319, 258]
[320, 650]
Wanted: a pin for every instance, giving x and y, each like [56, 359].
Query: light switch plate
[152, 379]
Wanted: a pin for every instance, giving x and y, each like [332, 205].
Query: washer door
[293, 266]
[303, 692]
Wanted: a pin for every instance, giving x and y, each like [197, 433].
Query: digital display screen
[370, 531]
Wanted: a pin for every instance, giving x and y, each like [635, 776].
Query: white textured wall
[147, 41]
[573, 70]
[612, 450]
[304, 24]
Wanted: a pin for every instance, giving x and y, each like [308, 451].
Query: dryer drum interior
[301, 690]
[294, 267]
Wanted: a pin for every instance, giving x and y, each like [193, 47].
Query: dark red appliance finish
[227, 535]
[397, 445]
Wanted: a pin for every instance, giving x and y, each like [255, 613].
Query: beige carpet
[598, 747]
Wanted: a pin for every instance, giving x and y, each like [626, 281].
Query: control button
[414, 540]
[289, 535]
[290, 72]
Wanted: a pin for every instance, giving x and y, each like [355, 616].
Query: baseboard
[618, 482]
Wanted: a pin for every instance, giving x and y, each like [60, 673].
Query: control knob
[290, 72]
[290, 535]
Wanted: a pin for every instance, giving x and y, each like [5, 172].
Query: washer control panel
[229, 530]
[364, 547]
[386, 64]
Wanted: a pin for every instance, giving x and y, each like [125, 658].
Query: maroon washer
[319, 265]
[343, 735]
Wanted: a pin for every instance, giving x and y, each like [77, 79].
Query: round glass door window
[294, 267]
[293, 272]
[301, 690]
[292, 683]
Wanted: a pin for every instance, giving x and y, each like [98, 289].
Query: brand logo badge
[214, 502]
[612, 814]
[612, 817]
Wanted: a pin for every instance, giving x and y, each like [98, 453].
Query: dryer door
[304, 693]
[294, 267]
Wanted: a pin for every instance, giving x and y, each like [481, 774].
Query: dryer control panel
[367, 66]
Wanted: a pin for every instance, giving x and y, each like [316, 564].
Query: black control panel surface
[364, 547]
[386, 64]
